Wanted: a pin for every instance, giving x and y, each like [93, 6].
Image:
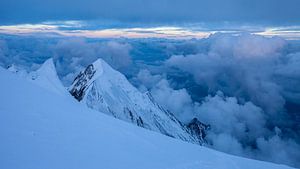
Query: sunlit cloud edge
[79, 29]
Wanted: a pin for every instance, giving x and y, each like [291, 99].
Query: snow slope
[46, 76]
[40, 129]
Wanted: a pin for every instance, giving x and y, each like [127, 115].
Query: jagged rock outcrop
[80, 83]
[198, 129]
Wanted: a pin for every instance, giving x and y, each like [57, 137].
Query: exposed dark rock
[198, 129]
[80, 84]
[140, 122]
[134, 117]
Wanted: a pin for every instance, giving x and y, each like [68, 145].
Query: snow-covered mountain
[42, 127]
[46, 76]
[104, 89]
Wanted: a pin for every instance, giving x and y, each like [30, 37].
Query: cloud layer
[250, 81]
[70, 55]
[246, 87]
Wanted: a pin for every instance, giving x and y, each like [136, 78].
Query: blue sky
[116, 18]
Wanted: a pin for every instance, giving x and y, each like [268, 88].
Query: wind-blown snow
[41, 129]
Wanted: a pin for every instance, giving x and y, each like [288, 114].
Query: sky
[156, 18]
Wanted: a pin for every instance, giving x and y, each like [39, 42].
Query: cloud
[178, 102]
[226, 143]
[70, 55]
[239, 128]
[234, 126]
[250, 80]
[244, 121]
[288, 75]
[117, 54]
[240, 66]
[278, 150]
[147, 79]
[73, 55]
[246, 46]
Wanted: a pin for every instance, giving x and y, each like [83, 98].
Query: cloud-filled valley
[246, 87]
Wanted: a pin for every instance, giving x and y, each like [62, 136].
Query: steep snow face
[46, 77]
[40, 128]
[104, 89]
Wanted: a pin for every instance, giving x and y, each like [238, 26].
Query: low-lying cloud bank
[250, 80]
[76, 54]
[71, 55]
[246, 87]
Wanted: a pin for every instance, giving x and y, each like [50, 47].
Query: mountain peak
[46, 77]
[98, 65]
[102, 68]
[106, 90]
[85, 78]
[48, 69]
[98, 69]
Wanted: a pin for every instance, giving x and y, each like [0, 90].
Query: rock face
[198, 129]
[104, 89]
[80, 83]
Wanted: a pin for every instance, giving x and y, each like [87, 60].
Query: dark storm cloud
[278, 12]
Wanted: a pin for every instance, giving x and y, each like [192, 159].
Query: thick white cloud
[241, 66]
[226, 143]
[246, 46]
[278, 150]
[178, 102]
[260, 75]
[147, 79]
[238, 128]
[73, 55]
[288, 75]
[225, 115]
